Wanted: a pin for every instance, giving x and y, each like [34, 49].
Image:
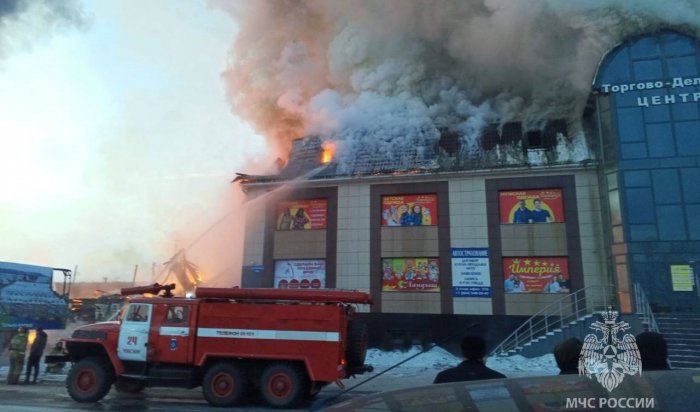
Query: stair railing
[555, 316]
[644, 308]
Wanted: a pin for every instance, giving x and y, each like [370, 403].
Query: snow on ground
[426, 365]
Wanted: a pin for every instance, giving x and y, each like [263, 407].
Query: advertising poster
[531, 206]
[302, 214]
[409, 210]
[410, 275]
[471, 276]
[300, 274]
[682, 278]
[543, 274]
[27, 298]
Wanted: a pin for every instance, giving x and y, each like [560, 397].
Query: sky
[117, 142]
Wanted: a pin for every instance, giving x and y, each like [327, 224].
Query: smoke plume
[22, 22]
[378, 73]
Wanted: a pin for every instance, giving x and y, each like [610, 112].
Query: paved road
[51, 394]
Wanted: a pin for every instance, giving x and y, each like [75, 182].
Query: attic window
[449, 141]
[553, 127]
[534, 139]
[512, 132]
[489, 137]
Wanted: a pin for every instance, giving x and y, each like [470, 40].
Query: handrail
[554, 316]
[644, 308]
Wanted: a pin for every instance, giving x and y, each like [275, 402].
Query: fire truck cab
[285, 344]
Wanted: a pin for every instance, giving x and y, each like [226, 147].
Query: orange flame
[328, 149]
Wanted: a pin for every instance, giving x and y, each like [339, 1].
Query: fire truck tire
[357, 343]
[129, 385]
[283, 385]
[224, 384]
[89, 380]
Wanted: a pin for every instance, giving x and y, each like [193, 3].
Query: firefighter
[18, 346]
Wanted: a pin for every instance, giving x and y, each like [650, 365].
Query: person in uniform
[18, 347]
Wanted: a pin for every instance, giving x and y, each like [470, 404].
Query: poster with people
[300, 274]
[410, 275]
[531, 206]
[409, 210]
[302, 214]
[544, 274]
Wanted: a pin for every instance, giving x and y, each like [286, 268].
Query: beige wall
[254, 241]
[410, 302]
[353, 271]
[469, 229]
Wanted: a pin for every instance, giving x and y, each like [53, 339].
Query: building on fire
[446, 234]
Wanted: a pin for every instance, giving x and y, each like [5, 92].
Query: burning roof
[322, 157]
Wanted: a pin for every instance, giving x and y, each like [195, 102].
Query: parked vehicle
[27, 299]
[285, 344]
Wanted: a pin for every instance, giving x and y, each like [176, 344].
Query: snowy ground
[428, 364]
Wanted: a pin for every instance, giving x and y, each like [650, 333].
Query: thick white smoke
[381, 73]
[23, 22]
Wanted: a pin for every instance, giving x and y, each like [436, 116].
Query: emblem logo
[609, 358]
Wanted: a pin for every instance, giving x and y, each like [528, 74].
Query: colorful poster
[682, 278]
[531, 206]
[409, 210]
[410, 275]
[302, 214]
[471, 276]
[543, 274]
[300, 274]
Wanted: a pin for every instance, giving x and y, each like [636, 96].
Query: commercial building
[444, 233]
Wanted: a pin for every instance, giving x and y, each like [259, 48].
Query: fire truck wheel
[129, 385]
[224, 384]
[89, 380]
[357, 343]
[283, 385]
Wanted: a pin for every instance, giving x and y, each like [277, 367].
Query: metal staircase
[566, 312]
[644, 309]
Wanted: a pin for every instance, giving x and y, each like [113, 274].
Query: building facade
[535, 215]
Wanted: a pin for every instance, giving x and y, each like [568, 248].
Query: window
[536, 274]
[410, 275]
[409, 210]
[137, 313]
[177, 314]
[531, 206]
[300, 274]
[302, 214]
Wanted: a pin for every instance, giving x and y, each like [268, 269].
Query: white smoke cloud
[24, 22]
[377, 73]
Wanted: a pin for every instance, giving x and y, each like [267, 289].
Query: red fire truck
[286, 344]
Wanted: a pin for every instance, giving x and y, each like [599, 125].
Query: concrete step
[685, 350]
[684, 341]
[683, 365]
[680, 333]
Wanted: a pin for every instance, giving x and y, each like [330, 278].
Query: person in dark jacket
[567, 354]
[474, 367]
[35, 352]
[653, 351]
